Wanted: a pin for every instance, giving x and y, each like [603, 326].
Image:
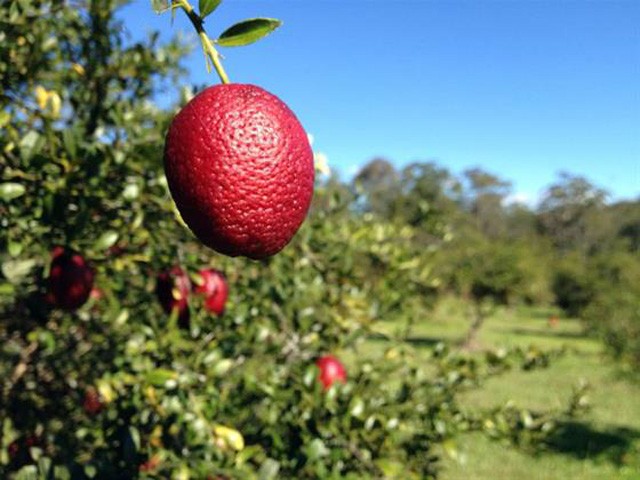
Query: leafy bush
[573, 289]
[615, 316]
[614, 312]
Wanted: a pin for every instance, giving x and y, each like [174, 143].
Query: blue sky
[523, 89]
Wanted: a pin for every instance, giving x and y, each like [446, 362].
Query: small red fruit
[13, 449]
[70, 279]
[19, 450]
[215, 290]
[172, 289]
[240, 170]
[331, 371]
[151, 464]
[92, 403]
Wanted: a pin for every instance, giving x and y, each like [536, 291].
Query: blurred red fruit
[13, 449]
[331, 371]
[214, 289]
[19, 450]
[92, 404]
[172, 289]
[116, 250]
[96, 293]
[70, 279]
[150, 464]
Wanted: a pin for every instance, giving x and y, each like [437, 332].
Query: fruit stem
[207, 46]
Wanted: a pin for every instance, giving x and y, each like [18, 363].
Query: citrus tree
[131, 350]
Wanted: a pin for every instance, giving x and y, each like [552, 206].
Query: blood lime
[172, 289]
[70, 279]
[331, 370]
[240, 170]
[214, 289]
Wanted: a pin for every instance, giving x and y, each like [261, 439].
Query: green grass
[604, 444]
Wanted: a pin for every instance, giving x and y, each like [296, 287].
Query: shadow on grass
[540, 313]
[416, 341]
[549, 333]
[582, 441]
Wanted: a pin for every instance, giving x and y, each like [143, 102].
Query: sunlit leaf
[247, 32]
[106, 240]
[11, 190]
[207, 6]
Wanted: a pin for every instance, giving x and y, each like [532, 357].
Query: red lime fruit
[214, 289]
[172, 289]
[331, 371]
[240, 170]
[92, 403]
[70, 279]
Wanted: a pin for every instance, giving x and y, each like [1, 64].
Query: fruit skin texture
[331, 371]
[240, 170]
[172, 289]
[215, 290]
[70, 279]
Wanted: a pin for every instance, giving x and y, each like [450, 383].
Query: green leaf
[69, 140]
[310, 375]
[316, 449]
[4, 118]
[14, 248]
[44, 465]
[30, 144]
[16, 270]
[390, 468]
[131, 191]
[30, 472]
[248, 453]
[207, 6]
[269, 470]
[11, 190]
[222, 367]
[135, 437]
[106, 240]
[356, 407]
[161, 376]
[160, 6]
[247, 31]
[7, 289]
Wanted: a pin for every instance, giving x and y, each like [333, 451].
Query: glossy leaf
[247, 32]
[16, 270]
[11, 190]
[106, 240]
[205, 7]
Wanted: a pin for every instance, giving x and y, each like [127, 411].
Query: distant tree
[626, 216]
[427, 199]
[570, 213]
[631, 233]
[521, 222]
[488, 273]
[377, 186]
[484, 199]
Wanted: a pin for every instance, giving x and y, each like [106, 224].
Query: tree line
[575, 248]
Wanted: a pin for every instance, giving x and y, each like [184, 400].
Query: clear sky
[523, 89]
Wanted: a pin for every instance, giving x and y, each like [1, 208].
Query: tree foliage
[121, 389]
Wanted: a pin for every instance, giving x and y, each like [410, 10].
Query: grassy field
[604, 444]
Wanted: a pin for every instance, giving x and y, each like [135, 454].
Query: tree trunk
[470, 338]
